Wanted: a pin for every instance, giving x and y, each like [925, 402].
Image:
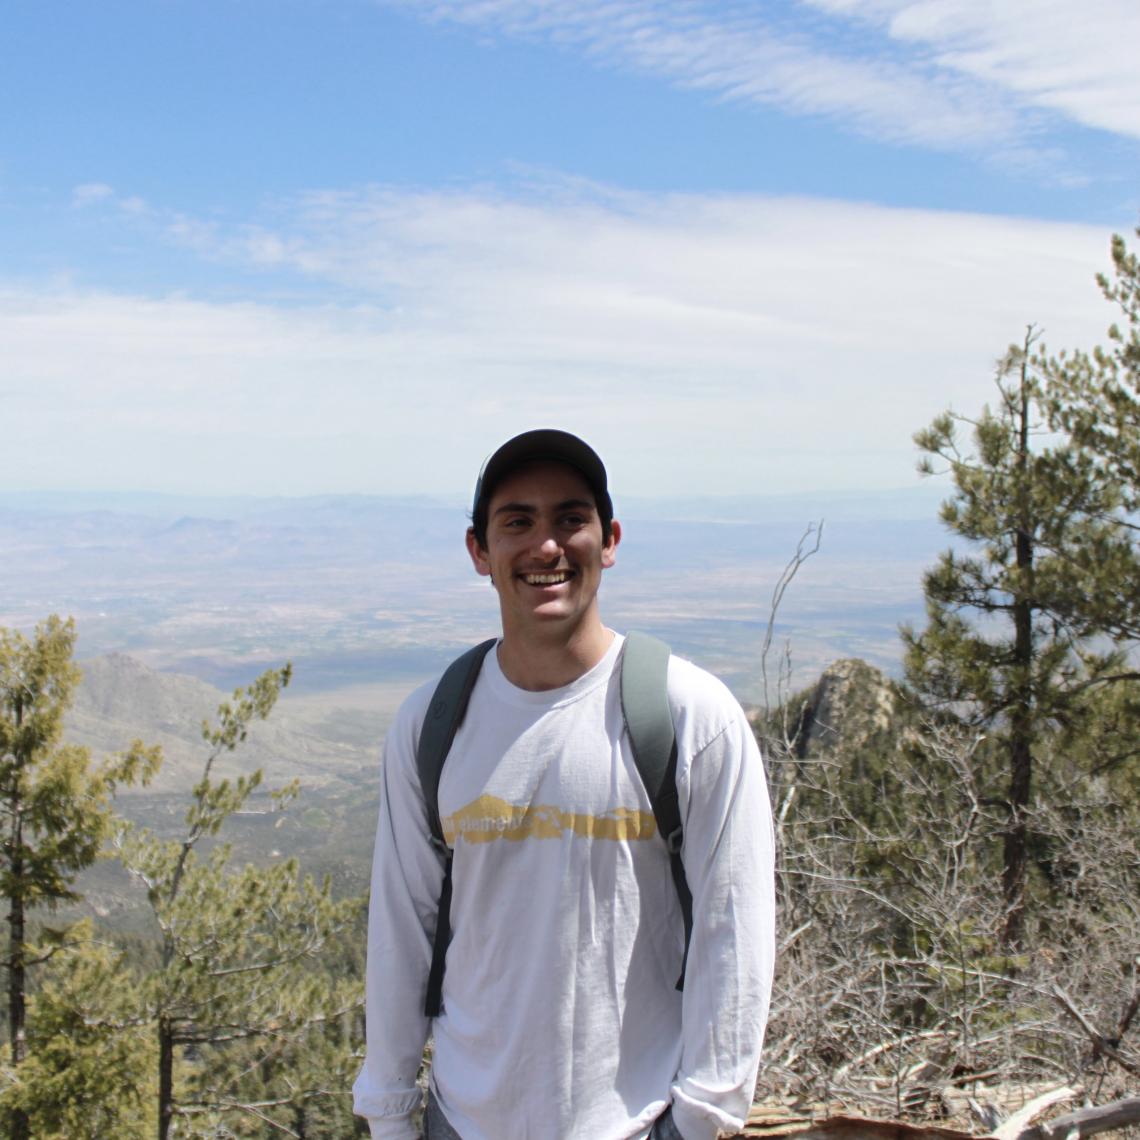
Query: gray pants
[436, 1126]
[664, 1128]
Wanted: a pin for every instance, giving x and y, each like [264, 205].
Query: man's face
[545, 551]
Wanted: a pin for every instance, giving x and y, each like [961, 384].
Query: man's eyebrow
[513, 508]
[531, 509]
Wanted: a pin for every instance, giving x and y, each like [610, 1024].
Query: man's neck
[542, 663]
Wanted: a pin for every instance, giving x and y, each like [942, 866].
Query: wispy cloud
[942, 74]
[91, 192]
[1080, 63]
[99, 194]
[760, 343]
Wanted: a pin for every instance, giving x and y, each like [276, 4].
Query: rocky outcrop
[852, 707]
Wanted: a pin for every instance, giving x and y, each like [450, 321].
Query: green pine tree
[55, 809]
[1094, 399]
[1031, 615]
[240, 977]
[88, 1074]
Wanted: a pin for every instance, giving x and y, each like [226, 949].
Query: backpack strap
[444, 716]
[653, 741]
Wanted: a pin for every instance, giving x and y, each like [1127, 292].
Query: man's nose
[548, 544]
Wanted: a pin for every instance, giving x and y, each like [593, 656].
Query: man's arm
[406, 877]
[729, 864]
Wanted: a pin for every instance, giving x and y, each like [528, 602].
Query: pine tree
[1027, 617]
[1094, 399]
[55, 808]
[239, 978]
[90, 1055]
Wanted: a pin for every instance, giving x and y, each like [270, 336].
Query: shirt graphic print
[489, 818]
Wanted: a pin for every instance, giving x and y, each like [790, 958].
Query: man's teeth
[547, 579]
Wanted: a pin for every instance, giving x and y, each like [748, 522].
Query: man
[561, 1019]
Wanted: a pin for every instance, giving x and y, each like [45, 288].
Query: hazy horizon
[917, 497]
[365, 589]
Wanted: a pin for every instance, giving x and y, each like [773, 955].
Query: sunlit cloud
[1079, 64]
[711, 343]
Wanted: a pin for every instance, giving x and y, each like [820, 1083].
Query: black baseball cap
[542, 443]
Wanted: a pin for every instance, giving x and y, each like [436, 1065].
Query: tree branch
[1100, 1043]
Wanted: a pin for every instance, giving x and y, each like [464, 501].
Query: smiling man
[558, 1014]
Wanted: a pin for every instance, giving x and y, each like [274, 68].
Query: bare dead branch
[1017, 1125]
[886, 1046]
[1102, 1044]
[1126, 1017]
[813, 535]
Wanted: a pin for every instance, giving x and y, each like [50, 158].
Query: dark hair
[543, 444]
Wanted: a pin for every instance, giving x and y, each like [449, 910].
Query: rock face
[853, 707]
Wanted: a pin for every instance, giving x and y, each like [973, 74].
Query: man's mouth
[548, 578]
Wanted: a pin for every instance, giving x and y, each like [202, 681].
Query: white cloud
[706, 343]
[91, 192]
[943, 74]
[1080, 62]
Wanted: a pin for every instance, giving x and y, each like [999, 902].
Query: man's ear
[609, 551]
[478, 554]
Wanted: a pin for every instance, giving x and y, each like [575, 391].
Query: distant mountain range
[364, 590]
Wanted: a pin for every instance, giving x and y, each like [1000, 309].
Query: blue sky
[340, 245]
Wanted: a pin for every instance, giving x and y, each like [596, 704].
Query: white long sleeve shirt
[560, 1018]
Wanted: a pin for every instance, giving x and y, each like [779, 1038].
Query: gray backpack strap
[653, 741]
[444, 716]
[649, 722]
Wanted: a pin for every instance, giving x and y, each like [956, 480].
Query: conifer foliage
[1031, 615]
[236, 984]
[235, 1014]
[1094, 398]
[55, 811]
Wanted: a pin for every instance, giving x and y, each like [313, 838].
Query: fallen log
[842, 1127]
[1087, 1121]
[1072, 1126]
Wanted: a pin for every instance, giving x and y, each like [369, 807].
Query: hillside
[314, 740]
[332, 746]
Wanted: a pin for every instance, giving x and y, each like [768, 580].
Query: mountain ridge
[120, 699]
